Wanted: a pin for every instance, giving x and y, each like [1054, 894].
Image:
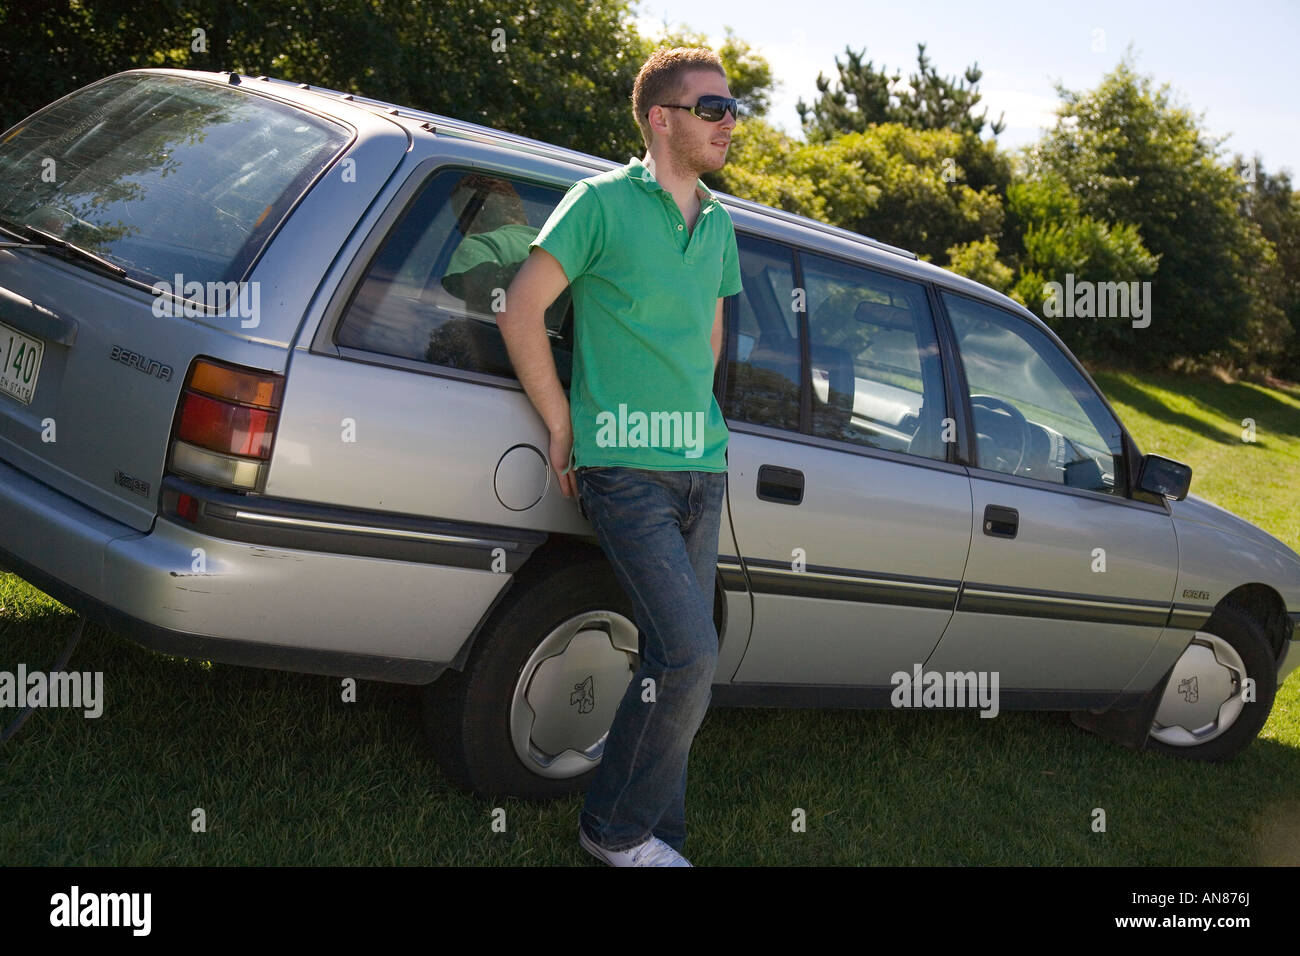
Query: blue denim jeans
[659, 530]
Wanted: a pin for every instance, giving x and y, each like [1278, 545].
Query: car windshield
[164, 175]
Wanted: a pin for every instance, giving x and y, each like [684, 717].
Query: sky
[1235, 63]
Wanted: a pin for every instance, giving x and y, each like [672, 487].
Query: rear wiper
[27, 236]
[14, 229]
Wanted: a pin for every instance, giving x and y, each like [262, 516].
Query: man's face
[695, 145]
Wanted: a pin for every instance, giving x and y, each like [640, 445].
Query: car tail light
[225, 424]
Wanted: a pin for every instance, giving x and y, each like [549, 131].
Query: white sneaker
[653, 852]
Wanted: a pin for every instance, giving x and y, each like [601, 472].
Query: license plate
[22, 362]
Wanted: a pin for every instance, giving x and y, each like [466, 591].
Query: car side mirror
[1164, 476]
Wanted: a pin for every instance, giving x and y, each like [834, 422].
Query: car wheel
[529, 714]
[1202, 714]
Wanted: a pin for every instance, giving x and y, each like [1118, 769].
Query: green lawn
[289, 774]
[1200, 422]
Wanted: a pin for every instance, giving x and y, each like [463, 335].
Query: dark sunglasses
[711, 108]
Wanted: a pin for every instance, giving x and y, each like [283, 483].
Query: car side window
[763, 373]
[433, 291]
[1035, 415]
[877, 379]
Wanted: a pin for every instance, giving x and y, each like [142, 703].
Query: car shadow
[1274, 412]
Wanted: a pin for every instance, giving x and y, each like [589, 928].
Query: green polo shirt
[645, 290]
[486, 261]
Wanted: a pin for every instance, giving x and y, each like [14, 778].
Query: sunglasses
[711, 108]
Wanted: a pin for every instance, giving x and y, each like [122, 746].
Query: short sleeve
[473, 252]
[731, 283]
[574, 233]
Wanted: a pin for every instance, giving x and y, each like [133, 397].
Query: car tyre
[1228, 649]
[528, 715]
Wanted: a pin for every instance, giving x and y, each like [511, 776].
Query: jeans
[659, 530]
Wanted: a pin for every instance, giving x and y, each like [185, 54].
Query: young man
[650, 255]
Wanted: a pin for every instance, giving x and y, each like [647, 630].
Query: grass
[1200, 422]
[287, 773]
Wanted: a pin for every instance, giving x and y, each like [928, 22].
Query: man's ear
[663, 121]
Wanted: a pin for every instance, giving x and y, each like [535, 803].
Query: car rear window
[164, 175]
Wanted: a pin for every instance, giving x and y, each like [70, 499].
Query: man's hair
[662, 78]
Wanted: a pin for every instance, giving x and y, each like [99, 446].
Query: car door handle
[1001, 522]
[782, 485]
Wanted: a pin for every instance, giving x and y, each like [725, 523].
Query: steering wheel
[990, 435]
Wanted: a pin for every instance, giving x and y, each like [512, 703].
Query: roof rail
[814, 224]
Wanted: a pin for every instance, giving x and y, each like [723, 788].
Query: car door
[1069, 580]
[852, 525]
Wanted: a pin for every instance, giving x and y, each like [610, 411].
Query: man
[650, 255]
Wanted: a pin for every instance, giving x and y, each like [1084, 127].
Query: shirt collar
[641, 173]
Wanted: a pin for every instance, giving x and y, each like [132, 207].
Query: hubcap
[1203, 696]
[568, 691]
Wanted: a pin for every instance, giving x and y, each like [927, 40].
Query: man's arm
[536, 285]
[716, 339]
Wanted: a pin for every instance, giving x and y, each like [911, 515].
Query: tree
[903, 186]
[554, 70]
[1128, 154]
[934, 102]
[978, 260]
[1274, 206]
[865, 96]
[1056, 241]
[834, 113]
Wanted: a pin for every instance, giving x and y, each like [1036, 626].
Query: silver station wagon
[255, 409]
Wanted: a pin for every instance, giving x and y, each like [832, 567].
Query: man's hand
[561, 445]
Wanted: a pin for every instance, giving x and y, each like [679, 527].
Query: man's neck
[680, 183]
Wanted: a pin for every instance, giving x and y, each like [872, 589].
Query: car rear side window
[434, 289]
[763, 373]
[164, 175]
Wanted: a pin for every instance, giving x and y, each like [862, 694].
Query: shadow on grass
[1227, 403]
